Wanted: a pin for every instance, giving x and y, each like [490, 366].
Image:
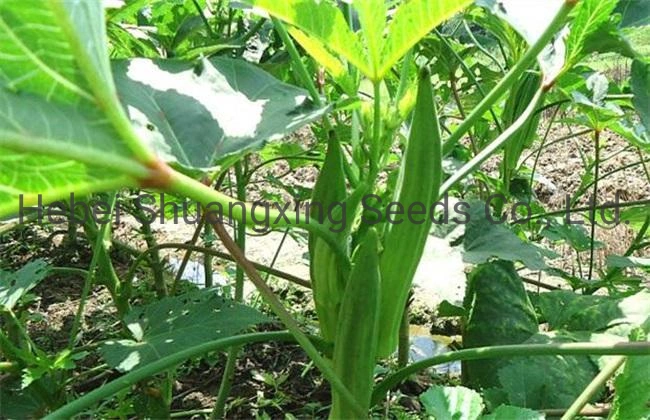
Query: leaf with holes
[177, 323]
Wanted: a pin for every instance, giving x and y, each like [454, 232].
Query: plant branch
[286, 318]
[125, 381]
[510, 78]
[586, 348]
[486, 153]
[235, 210]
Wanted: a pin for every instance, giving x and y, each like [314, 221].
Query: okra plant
[74, 121]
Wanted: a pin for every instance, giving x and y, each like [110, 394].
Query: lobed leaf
[411, 22]
[177, 323]
[633, 387]
[323, 21]
[590, 15]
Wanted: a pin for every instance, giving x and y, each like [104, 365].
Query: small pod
[325, 270]
[355, 347]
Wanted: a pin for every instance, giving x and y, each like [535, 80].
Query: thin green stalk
[207, 257]
[594, 386]
[481, 48]
[126, 381]
[486, 153]
[281, 312]
[298, 65]
[155, 260]
[375, 146]
[510, 78]
[556, 141]
[563, 212]
[90, 157]
[186, 257]
[203, 18]
[219, 410]
[276, 255]
[90, 278]
[541, 146]
[592, 238]
[570, 349]
[590, 184]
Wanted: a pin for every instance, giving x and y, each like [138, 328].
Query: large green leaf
[411, 22]
[547, 381]
[486, 239]
[323, 21]
[13, 286]
[452, 403]
[498, 312]
[197, 116]
[372, 16]
[58, 121]
[177, 323]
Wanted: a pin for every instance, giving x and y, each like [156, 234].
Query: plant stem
[98, 250]
[597, 383]
[592, 239]
[470, 75]
[585, 348]
[486, 153]
[298, 65]
[510, 78]
[195, 248]
[186, 256]
[286, 318]
[155, 260]
[404, 343]
[219, 410]
[375, 146]
[126, 381]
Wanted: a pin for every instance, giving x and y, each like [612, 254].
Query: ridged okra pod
[355, 347]
[418, 185]
[325, 269]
